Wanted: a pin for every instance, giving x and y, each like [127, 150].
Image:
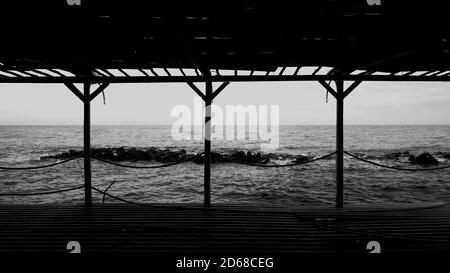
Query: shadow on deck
[223, 228]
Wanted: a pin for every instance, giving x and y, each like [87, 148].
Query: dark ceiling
[252, 35]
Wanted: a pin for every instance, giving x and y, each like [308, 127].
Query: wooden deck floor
[127, 228]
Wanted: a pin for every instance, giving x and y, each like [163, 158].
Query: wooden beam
[351, 88]
[12, 73]
[225, 78]
[39, 72]
[75, 90]
[386, 59]
[428, 73]
[100, 89]
[153, 72]
[328, 88]
[143, 72]
[196, 90]
[219, 89]
[316, 71]
[103, 73]
[87, 147]
[57, 72]
[123, 72]
[107, 72]
[167, 72]
[340, 143]
[26, 73]
[207, 155]
[409, 73]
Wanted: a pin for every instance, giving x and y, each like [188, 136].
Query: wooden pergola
[110, 42]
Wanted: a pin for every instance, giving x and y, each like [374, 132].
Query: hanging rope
[39, 167]
[41, 193]
[104, 98]
[394, 167]
[104, 194]
[182, 160]
[117, 198]
[278, 166]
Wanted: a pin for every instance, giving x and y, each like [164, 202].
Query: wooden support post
[339, 143]
[87, 145]
[340, 94]
[207, 174]
[208, 98]
[86, 98]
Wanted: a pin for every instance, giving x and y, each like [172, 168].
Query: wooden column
[207, 170]
[87, 145]
[339, 143]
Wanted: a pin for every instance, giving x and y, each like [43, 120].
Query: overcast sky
[300, 103]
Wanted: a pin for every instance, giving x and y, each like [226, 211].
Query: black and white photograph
[224, 136]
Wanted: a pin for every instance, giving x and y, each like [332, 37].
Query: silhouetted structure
[110, 42]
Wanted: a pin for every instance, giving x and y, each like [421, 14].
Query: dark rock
[301, 158]
[151, 154]
[446, 156]
[239, 156]
[215, 158]
[249, 157]
[171, 156]
[73, 153]
[396, 155]
[424, 159]
[199, 159]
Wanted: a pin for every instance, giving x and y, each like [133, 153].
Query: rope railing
[107, 188]
[39, 167]
[117, 198]
[276, 165]
[41, 193]
[395, 167]
[182, 160]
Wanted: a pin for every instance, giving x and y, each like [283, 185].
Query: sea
[231, 183]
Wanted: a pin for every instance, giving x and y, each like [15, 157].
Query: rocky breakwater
[241, 156]
[167, 155]
[128, 154]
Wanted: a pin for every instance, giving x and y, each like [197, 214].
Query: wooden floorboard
[224, 228]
